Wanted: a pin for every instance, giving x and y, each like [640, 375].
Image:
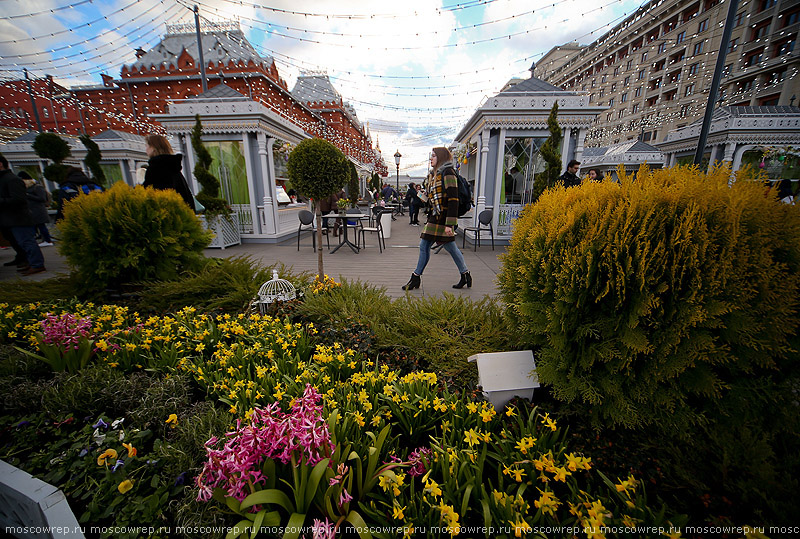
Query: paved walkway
[390, 269]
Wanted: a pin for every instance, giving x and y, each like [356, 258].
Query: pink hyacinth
[416, 461]
[65, 331]
[269, 434]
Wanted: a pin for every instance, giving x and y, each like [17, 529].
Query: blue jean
[26, 237]
[44, 233]
[450, 247]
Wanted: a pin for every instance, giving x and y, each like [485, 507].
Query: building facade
[170, 72]
[652, 72]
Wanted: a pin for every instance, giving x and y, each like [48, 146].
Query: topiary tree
[92, 160]
[209, 190]
[655, 301]
[551, 153]
[352, 185]
[375, 182]
[317, 170]
[51, 146]
[126, 235]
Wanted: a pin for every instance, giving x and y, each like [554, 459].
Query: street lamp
[397, 157]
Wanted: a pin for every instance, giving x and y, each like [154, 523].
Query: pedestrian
[388, 193]
[164, 168]
[38, 201]
[570, 177]
[442, 218]
[414, 204]
[16, 218]
[75, 183]
[595, 175]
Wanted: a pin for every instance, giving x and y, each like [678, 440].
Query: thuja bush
[654, 299]
[125, 235]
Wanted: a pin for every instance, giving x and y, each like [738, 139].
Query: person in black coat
[164, 168]
[414, 204]
[37, 204]
[570, 177]
[16, 222]
[75, 183]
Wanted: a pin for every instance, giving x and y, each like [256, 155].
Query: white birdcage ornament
[275, 290]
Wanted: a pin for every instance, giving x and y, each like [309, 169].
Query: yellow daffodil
[397, 512]
[471, 437]
[172, 420]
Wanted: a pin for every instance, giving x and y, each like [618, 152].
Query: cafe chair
[307, 223]
[377, 228]
[484, 224]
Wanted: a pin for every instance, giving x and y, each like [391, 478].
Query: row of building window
[789, 18]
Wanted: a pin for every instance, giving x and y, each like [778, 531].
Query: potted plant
[217, 216]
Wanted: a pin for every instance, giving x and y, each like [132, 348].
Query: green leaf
[257, 523]
[313, 481]
[239, 529]
[268, 497]
[294, 526]
[233, 503]
[465, 500]
[358, 522]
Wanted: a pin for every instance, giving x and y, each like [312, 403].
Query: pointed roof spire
[533, 66]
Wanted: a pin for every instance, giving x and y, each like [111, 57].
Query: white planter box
[505, 375]
[226, 232]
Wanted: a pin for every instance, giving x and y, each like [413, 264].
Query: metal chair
[307, 223]
[377, 228]
[484, 224]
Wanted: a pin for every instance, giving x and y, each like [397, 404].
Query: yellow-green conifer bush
[653, 299]
[129, 234]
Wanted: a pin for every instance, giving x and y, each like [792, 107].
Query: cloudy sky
[414, 70]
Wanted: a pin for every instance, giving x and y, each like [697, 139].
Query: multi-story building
[170, 72]
[653, 71]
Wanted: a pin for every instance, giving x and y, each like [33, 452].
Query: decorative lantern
[274, 290]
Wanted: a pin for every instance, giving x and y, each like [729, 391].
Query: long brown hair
[443, 155]
[159, 144]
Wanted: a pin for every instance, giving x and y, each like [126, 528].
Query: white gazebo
[250, 145]
[503, 138]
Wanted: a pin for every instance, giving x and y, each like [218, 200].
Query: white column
[187, 143]
[132, 169]
[270, 192]
[579, 144]
[565, 148]
[251, 183]
[480, 183]
[498, 175]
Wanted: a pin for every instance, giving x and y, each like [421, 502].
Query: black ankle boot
[412, 283]
[466, 279]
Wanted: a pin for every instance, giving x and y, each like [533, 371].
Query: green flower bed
[390, 449]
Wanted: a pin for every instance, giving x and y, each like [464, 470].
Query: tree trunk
[318, 232]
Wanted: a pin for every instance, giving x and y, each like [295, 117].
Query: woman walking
[414, 203]
[442, 218]
[37, 205]
[164, 168]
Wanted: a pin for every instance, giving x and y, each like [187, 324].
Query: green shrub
[228, 284]
[651, 298]
[125, 235]
[51, 146]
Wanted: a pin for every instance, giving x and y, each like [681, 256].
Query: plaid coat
[443, 210]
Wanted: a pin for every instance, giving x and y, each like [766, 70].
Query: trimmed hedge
[654, 298]
[126, 235]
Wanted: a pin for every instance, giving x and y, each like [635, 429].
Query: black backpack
[464, 194]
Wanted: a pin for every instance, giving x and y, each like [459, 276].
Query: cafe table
[345, 240]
